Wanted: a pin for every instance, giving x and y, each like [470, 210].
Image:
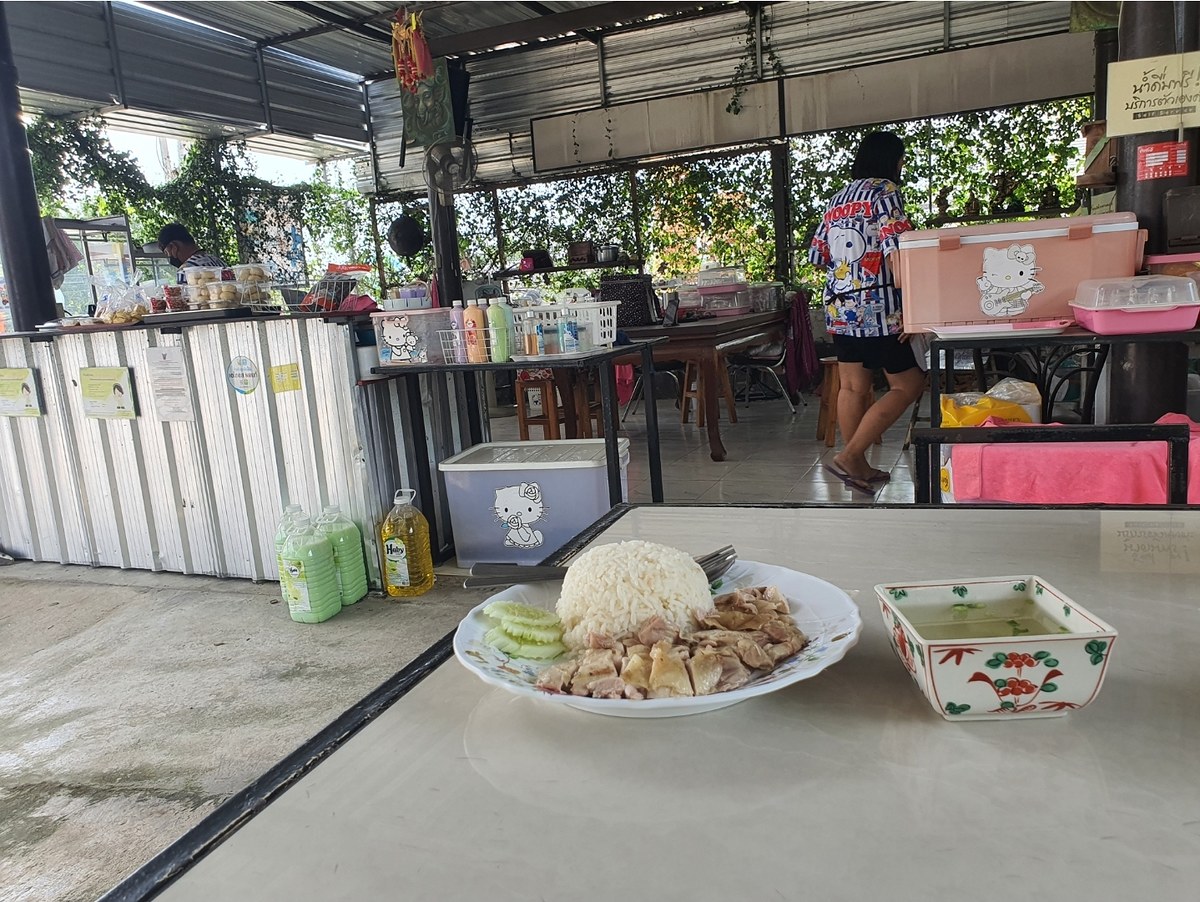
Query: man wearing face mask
[177, 243]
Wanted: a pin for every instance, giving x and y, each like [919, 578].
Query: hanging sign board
[18, 394]
[242, 375]
[107, 392]
[1153, 94]
[1165, 160]
[169, 385]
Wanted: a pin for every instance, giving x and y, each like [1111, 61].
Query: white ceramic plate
[1004, 330]
[823, 611]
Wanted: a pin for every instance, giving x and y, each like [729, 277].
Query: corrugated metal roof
[37, 38]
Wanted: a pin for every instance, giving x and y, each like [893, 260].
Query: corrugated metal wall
[205, 496]
[507, 90]
[177, 77]
[39, 34]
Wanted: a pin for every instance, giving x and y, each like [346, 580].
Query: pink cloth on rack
[1072, 473]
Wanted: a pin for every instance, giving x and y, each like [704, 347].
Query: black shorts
[887, 352]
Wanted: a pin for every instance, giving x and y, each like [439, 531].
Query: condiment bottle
[498, 332]
[309, 576]
[407, 558]
[474, 323]
[456, 323]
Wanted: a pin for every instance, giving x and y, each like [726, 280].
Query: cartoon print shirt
[861, 226]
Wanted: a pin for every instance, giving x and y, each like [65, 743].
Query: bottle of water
[347, 553]
[309, 574]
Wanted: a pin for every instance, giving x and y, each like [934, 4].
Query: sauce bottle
[456, 323]
[407, 557]
[498, 331]
[474, 324]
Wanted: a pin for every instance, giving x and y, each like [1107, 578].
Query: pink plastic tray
[1137, 321]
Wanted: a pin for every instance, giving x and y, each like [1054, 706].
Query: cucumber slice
[540, 652]
[500, 640]
[524, 632]
[517, 612]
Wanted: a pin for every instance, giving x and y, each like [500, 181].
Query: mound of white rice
[611, 589]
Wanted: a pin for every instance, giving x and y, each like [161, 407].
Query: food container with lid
[1137, 305]
[981, 277]
[727, 303]
[410, 336]
[996, 648]
[252, 272]
[720, 275]
[202, 275]
[766, 296]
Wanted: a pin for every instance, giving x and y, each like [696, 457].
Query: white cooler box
[517, 502]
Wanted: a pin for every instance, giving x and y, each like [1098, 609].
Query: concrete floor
[133, 703]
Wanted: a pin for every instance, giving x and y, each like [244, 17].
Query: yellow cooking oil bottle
[407, 557]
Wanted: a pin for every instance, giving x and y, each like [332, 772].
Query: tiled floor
[772, 456]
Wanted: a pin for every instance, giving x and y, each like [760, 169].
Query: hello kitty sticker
[518, 507]
[1008, 280]
[399, 343]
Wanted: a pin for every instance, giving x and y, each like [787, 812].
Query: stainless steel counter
[847, 786]
[204, 495]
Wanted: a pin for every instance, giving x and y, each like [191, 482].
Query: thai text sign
[1154, 94]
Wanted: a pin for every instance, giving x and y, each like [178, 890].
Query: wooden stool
[587, 409]
[827, 412]
[692, 374]
[551, 416]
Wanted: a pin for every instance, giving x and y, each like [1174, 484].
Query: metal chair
[631, 404]
[762, 371]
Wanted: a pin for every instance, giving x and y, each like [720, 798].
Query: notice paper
[18, 393]
[1150, 541]
[285, 377]
[169, 384]
[107, 392]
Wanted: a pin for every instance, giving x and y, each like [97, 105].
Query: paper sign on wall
[107, 392]
[285, 377]
[169, 384]
[242, 375]
[1162, 161]
[18, 393]
[1153, 94]
[1150, 541]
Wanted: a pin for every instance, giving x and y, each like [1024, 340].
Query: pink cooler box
[994, 276]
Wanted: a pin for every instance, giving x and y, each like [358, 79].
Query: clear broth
[990, 629]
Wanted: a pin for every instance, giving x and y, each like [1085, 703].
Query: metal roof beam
[346, 22]
[343, 23]
[576, 20]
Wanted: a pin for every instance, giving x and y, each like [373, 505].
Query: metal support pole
[444, 229]
[781, 206]
[22, 246]
[1148, 380]
[636, 209]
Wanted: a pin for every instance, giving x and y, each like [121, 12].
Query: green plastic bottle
[407, 558]
[309, 575]
[347, 553]
[290, 513]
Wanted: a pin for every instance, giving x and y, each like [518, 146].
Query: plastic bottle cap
[456, 303]
[404, 496]
[302, 521]
[293, 509]
[472, 303]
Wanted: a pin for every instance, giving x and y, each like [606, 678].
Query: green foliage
[216, 195]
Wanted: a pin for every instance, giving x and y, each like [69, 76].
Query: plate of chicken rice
[636, 632]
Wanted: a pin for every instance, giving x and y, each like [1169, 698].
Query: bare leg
[903, 389]
[856, 392]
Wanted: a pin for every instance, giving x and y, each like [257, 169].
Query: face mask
[175, 261]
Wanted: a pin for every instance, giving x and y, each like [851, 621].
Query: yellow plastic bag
[1009, 399]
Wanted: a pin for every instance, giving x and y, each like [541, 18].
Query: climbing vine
[215, 193]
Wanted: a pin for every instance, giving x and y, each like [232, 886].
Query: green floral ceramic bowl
[994, 648]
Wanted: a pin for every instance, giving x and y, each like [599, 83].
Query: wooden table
[705, 343]
[845, 786]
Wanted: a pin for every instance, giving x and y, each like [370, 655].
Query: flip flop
[877, 479]
[862, 487]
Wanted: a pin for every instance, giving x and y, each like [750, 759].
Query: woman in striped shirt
[858, 242]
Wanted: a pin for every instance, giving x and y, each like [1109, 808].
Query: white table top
[847, 786]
